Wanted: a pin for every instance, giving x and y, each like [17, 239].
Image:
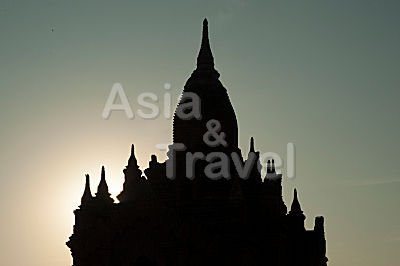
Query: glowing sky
[324, 75]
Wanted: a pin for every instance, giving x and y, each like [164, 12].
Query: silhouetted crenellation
[236, 221]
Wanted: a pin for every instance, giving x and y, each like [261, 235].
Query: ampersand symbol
[213, 127]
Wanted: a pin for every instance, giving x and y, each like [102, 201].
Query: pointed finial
[295, 208]
[205, 58]
[87, 194]
[205, 30]
[133, 149]
[102, 189]
[103, 174]
[252, 144]
[132, 159]
[87, 183]
[273, 166]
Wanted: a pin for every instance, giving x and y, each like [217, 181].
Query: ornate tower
[214, 104]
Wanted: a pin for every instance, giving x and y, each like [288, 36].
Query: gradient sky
[324, 75]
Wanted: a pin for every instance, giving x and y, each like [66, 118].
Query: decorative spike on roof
[295, 208]
[133, 174]
[103, 174]
[87, 194]
[252, 145]
[132, 159]
[205, 58]
[273, 166]
[102, 189]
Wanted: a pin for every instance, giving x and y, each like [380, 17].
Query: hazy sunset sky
[324, 75]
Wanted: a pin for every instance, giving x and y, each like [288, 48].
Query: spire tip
[132, 149]
[103, 172]
[252, 144]
[205, 58]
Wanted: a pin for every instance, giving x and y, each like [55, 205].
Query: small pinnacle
[103, 173]
[295, 208]
[273, 166]
[205, 59]
[252, 145]
[132, 149]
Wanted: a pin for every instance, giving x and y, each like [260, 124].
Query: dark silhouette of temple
[200, 221]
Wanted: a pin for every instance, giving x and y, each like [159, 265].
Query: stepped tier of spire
[133, 176]
[134, 181]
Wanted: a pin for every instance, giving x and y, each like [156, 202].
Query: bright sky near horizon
[324, 75]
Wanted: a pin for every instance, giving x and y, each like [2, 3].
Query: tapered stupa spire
[295, 208]
[212, 99]
[205, 58]
[132, 169]
[87, 194]
[296, 216]
[132, 159]
[133, 175]
[102, 189]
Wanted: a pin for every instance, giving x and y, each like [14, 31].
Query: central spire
[215, 104]
[205, 58]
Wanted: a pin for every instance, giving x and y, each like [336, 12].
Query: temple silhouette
[199, 221]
